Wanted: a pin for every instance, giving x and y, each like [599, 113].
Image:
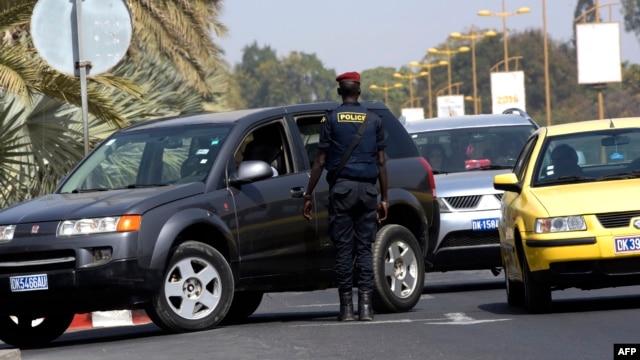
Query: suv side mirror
[250, 171]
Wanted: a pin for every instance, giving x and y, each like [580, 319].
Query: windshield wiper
[139, 186]
[77, 191]
[621, 176]
[568, 180]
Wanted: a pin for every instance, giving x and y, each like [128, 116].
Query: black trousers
[353, 226]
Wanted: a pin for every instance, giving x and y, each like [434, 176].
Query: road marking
[463, 319]
[347, 323]
[423, 297]
[449, 319]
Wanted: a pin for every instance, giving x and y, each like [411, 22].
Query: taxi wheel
[197, 290]
[398, 269]
[28, 332]
[537, 296]
[515, 290]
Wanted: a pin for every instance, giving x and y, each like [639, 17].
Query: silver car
[465, 153]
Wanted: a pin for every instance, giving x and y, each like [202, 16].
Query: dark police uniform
[353, 197]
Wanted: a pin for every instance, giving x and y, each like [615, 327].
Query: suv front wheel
[197, 290]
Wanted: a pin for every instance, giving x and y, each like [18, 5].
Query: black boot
[346, 305]
[365, 308]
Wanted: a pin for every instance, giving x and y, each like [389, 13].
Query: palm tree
[172, 67]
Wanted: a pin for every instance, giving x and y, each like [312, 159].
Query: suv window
[266, 144]
[398, 141]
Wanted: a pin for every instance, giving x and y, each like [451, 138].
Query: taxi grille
[463, 202]
[470, 238]
[617, 219]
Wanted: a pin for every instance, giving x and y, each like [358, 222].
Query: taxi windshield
[601, 155]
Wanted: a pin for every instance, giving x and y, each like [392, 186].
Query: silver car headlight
[99, 225]
[558, 224]
[444, 208]
[6, 232]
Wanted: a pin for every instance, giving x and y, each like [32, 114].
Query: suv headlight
[558, 224]
[99, 225]
[6, 232]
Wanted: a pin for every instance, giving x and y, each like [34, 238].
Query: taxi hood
[589, 198]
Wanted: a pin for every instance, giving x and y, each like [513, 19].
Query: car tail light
[432, 179]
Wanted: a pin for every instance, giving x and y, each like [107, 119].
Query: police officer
[354, 211]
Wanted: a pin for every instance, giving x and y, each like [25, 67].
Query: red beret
[348, 76]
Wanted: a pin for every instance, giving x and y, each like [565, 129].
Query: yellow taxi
[570, 213]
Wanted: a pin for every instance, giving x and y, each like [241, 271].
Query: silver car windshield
[458, 150]
[148, 157]
[601, 155]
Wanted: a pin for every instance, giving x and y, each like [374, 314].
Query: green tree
[265, 80]
[631, 11]
[383, 77]
[42, 125]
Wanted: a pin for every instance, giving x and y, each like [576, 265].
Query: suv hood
[474, 182]
[57, 207]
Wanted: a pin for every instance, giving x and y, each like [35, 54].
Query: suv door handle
[297, 192]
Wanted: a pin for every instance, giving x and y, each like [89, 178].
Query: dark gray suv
[194, 218]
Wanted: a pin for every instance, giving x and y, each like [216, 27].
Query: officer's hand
[306, 209]
[383, 209]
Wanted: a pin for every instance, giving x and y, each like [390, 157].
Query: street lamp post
[448, 52]
[476, 102]
[473, 36]
[386, 89]
[410, 77]
[429, 66]
[547, 91]
[504, 14]
[447, 88]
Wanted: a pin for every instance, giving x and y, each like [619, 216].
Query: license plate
[484, 224]
[29, 283]
[624, 245]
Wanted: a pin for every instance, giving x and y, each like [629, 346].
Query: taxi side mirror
[507, 182]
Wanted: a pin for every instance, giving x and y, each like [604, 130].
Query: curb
[12, 354]
[102, 319]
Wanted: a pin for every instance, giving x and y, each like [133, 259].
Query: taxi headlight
[99, 225]
[6, 232]
[558, 224]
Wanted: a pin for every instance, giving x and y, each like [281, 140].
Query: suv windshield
[601, 155]
[457, 150]
[149, 157]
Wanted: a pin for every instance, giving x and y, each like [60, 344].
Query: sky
[356, 35]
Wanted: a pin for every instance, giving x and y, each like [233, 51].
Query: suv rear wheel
[398, 270]
[197, 290]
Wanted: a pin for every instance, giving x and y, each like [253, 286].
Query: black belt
[358, 179]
